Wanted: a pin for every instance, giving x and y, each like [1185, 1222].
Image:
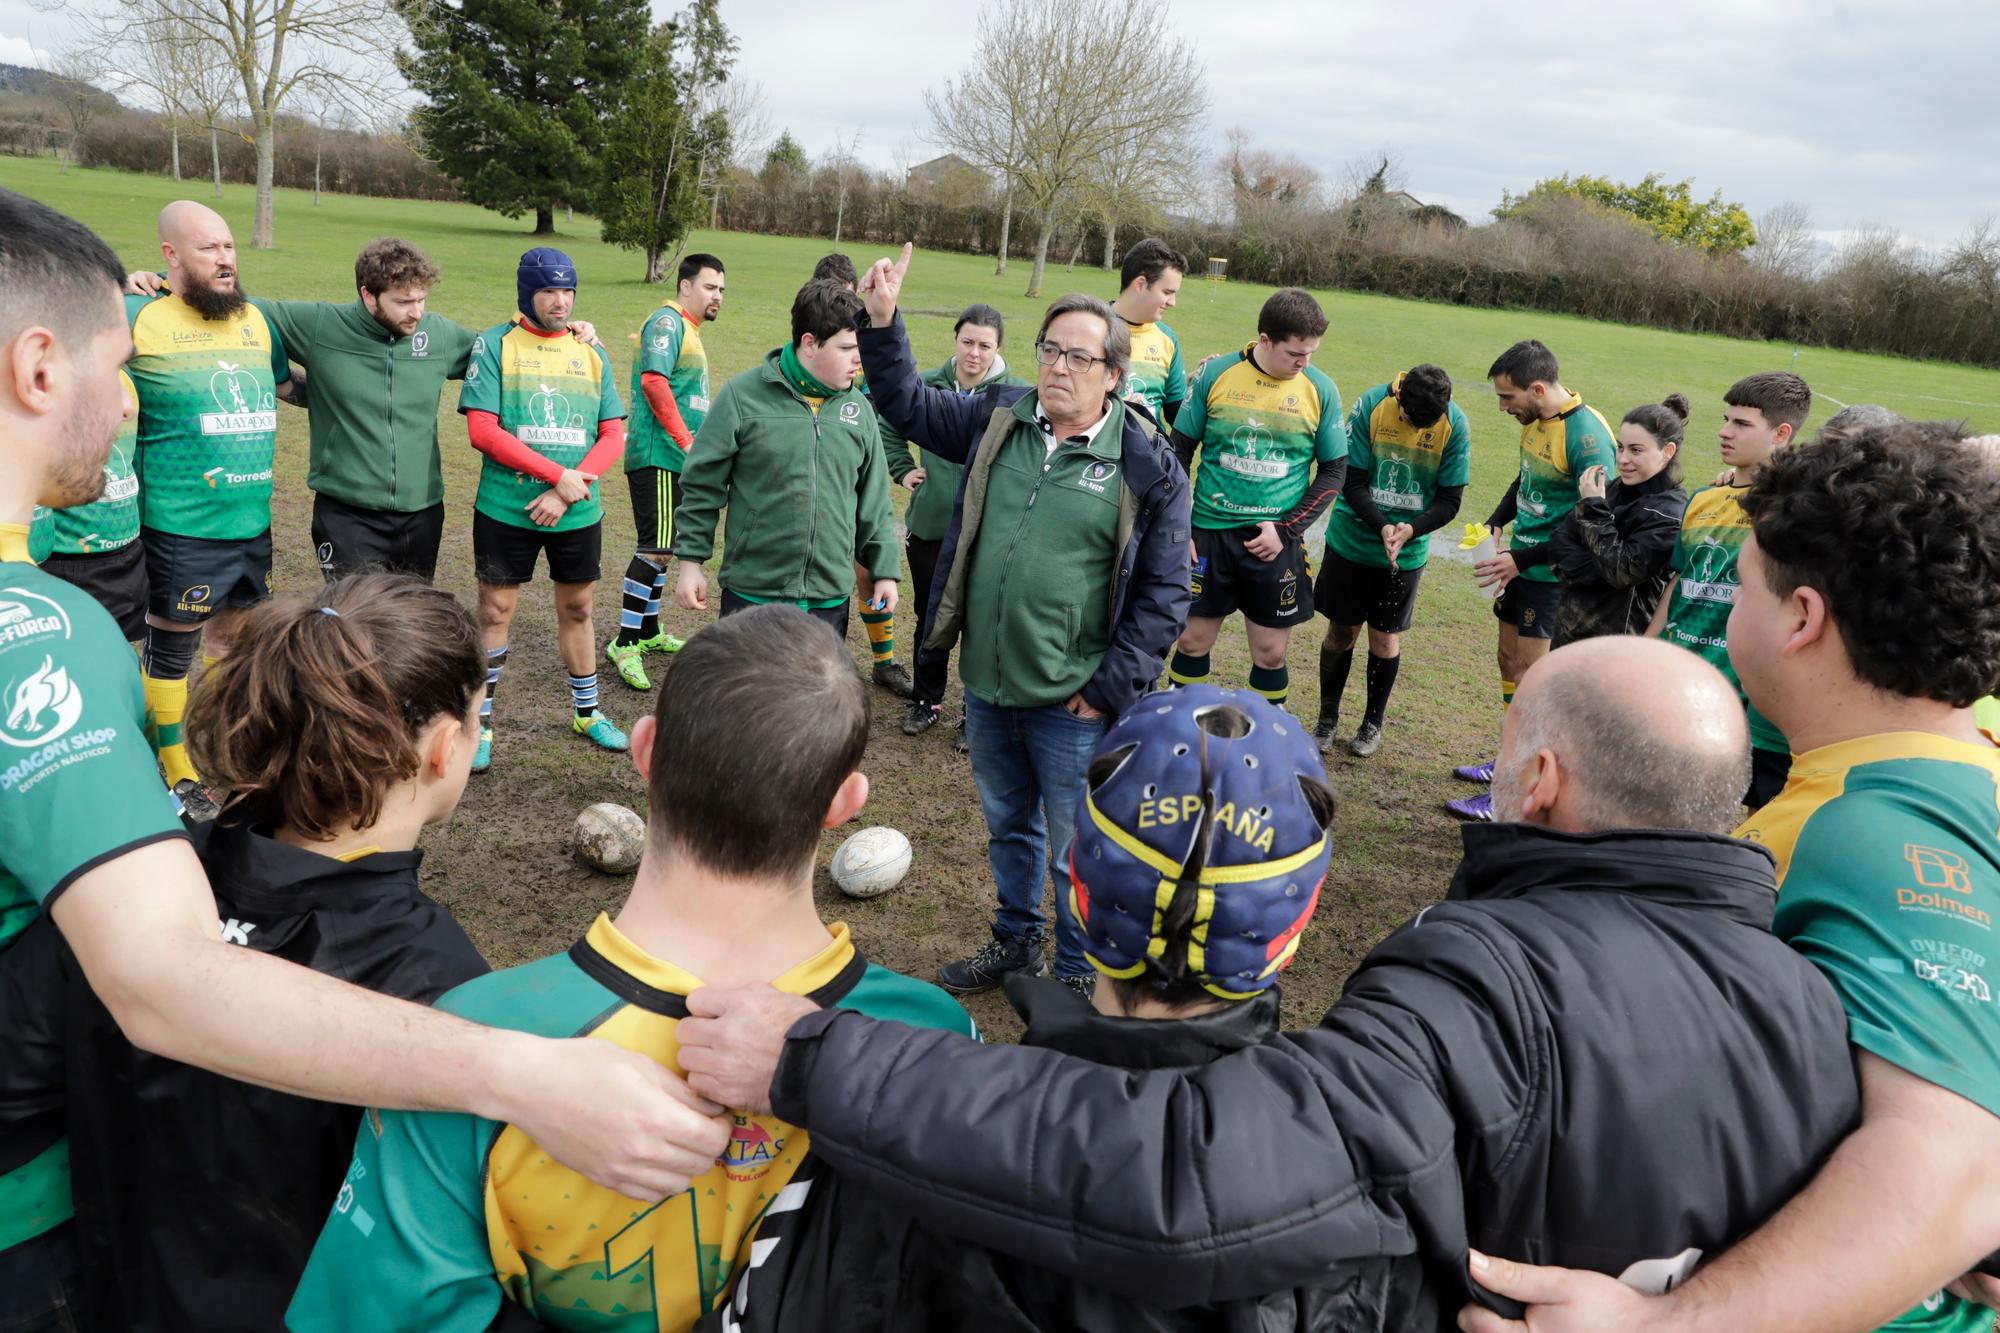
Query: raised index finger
[902, 265]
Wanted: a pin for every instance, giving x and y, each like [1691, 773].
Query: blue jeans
[1029, 765]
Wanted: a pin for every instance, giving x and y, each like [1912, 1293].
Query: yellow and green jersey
[1405, 467]
[1554, 453]
[1259, 438]
[208, 417]
[549, 392]
[669, 345]
[1156, 373]
[1712, 531]
[444, 1216]
[1889, 882]
[109, 522]
[78, 787]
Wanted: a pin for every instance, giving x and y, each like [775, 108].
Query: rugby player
[670, 397]
[1561, 439]
[542, 408]
[1273, 448]
[447, 1221]
[1762, 413]
[1149, 284]
[1409, 457]
[96, 546]
[209, 368]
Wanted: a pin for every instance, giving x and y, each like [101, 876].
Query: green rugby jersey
[550, 392]
[1156, 373]
[1712, 531]
[108, 523]
[1554, 453]
[445, 1216]
[208, 417]
[1405, 468]
[78, 787]
[669, 345]
[1259, 437]
[1889, 882]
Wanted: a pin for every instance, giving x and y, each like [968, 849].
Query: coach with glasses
[1064, 578]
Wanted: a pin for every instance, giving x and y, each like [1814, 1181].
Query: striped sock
[1506, 695]
[1274, 683]
[1187, 669]
[166, 703]
[650, 624]
[583, 693]
[640, 598]
[881, 627]
[496, 660]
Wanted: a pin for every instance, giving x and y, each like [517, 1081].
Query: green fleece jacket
[807, 491]
[928, 516]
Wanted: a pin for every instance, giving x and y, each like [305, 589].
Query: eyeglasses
[1077, 362]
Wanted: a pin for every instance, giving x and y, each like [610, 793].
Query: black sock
[1333, 669]
[1381, 680]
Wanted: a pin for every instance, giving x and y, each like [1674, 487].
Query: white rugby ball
[610, 838]
[871, 862]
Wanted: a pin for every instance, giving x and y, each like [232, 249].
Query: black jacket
[851, 1260]
[198, 1198]
[1612, 556]
[1594, 1053]
[1150, 600]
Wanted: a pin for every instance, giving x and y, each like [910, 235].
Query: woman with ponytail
[1611, 554]
[341, 727]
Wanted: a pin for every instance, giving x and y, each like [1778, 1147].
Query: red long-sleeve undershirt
[660, 397]
[500, 445]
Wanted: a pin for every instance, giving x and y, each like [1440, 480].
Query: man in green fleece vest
[974, 366]
[1067, 560]
[792, 450]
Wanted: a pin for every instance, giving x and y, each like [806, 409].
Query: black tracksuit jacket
[1594, 1053]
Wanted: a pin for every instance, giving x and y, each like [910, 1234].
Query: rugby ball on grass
[610, 838]
[871, 862]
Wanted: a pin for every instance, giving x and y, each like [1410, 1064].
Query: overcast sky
[1867, 113]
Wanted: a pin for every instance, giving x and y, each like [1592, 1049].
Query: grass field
[500, 864]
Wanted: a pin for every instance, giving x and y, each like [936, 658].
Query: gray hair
[1117, 339]
[1857, 418]
[1628, 770]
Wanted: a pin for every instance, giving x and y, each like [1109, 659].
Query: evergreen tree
[654, 151]
[519, 93]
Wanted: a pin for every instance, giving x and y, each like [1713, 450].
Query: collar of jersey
[1884, 746]
[1575, 401]
[14, 541]
[813, 975]
[693, 320]
[522, 323]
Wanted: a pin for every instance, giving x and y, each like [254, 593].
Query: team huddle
[1701, 1036]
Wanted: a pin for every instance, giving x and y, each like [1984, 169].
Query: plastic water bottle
[1478, 539]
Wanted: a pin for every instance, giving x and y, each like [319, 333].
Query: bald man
[1592, 1048]
[209, 370]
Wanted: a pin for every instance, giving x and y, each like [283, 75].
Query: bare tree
[1056, 89]
[979, 114]
[271, 47]
[845, 167]
[321, 107]
[1785, 240]
[158, 63]
[1139, 172]
[77, 66]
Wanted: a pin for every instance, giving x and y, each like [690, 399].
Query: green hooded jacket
[928, 515]
[807, 492]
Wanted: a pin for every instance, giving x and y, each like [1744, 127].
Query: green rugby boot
[630, 660]
[482, 758]
[662, 642]
[600, 731]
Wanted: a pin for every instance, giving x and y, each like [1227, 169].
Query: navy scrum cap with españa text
[1202, 840]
